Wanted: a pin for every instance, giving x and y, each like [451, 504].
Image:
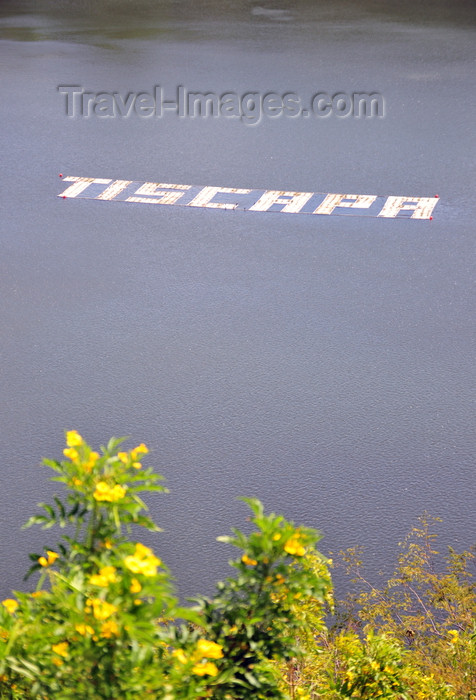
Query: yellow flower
[71, 453]
[37, 594]
[77, 482]
[142, 550]
[206, 669]
[454, 636]
[92, 459]
[101, 608]
[73, 438]
[139, 450]
[118, 492]
[133, 563]
[209, 650]
[104, 492]
[149, 567]
[294, 547]
[84, 629]
[10, 604]
[52, 557]
[246, 560]
[109, 572]
[123, 456]
[180, 655]
[135, 586]
[276, 536]
[136, 465]
[105, 576]
[109, 629]
[142, 561]
[146, 567]
[61, 649]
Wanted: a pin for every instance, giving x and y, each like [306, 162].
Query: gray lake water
[323, 364]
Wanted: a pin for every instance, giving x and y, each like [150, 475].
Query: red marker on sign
[60, 175]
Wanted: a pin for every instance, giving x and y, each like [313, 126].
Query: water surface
[323, 364]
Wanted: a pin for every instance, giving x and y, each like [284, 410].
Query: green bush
[104, 621]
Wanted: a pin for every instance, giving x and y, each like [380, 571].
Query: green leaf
[17, 664]
[147, 523]
[34, 520]
[74, 510]
[53, 464]
[113, 444]
[252, 680]
[48, 525]
[255, 505]
[60, 506]
[31, 570]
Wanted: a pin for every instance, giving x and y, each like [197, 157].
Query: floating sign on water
[386, 206]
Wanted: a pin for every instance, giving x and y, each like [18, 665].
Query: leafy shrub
[104, 622]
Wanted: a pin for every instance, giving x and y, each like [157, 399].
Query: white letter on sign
[154, 188]
[205, 196]
[294, 204]
[80, 184]
[331, 201]
[422, 206]
[113, 190]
